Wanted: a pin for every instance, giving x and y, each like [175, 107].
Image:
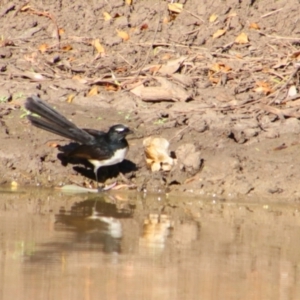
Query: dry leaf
[66, 48]
[166, 56]
[93, 91]
[168, 91]
[111, 87]
[123, 34]
[70, 98]
[121, 70]
[5, 43]
[154, 69]
[43, 48]
[232, 15]
[166, 20]
[128, 2]
[220, 67]
[213, 79]
[172, 66]
[183, 79]
[96, 43]
[52, 145]
[216, 68]
[33, 76]
[144, 26]
[175, 7]
[25, 7]
[219, 33]
[254, 26]
[242, 38]
[61, 31]
[107, 16]
[263, 87]
[296, 55]
[213, 18]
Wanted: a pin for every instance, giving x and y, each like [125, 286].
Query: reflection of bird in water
[94, 222]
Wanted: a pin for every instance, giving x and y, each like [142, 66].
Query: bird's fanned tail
[52, 121]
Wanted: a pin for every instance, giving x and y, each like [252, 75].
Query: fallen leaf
[183, 79]
[25, 7]
[242, 38]
[43, 48]
[96, 43]
[67, 48]
[175, 7]
[123, 34]
[154, 69]
[254, 26]
[168, 91]
[217, 67]
[295, 55]
[144, 26]
[107, 16]
[121, 70]
[5, 43]
[263, 87]
[70, 98]
[128, 2]
[111, 87]
[172, 66]
[219, 33]
[166, 56]
[93, 91]
[33, 76]
[61, 31]
[232, 15]
[52, 145]
[213, 18]
[166, 20]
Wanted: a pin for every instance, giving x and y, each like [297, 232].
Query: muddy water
[126, 246]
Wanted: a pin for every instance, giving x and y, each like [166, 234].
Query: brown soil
[231, 99]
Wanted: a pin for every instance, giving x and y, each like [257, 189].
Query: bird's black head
[118, 132]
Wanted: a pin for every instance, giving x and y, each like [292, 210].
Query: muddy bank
[261, 167]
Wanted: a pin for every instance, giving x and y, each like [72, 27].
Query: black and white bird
[98, 147]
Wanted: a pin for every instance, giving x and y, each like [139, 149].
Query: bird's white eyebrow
[120, 129]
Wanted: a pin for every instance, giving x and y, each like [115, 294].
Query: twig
[285, 85]
[44, 14]
[272, 12]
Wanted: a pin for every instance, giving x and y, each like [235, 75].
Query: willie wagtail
[98, 147]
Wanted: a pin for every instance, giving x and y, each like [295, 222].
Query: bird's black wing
[91, 152]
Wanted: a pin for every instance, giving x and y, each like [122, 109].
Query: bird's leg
[100, 189]
[105, 188]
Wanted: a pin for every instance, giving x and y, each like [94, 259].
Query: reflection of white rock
[157, 154]
[156, 229]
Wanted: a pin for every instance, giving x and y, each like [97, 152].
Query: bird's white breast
[115, 159]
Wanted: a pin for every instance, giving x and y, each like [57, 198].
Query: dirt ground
[218, 79]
